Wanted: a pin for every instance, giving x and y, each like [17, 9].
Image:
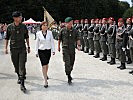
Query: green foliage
[128, 13]
[60, 9]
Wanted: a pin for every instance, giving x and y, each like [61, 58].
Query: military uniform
[90, 39]
[68, 39]
[85, 34]
[130, 34]
[96, 39]
[128, 28]
[17, 36]
[81, 26]
[103, 41]
[121, 43]
[111, 38]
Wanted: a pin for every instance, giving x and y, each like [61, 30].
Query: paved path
[93, 79]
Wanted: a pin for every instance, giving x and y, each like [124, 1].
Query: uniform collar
[15, 25]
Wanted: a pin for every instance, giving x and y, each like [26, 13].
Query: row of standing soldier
[107, 37]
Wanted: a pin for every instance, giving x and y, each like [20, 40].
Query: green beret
[68, 19]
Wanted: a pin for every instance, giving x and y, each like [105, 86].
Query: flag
[48, 17]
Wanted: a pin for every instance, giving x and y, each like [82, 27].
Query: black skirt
[44, 56]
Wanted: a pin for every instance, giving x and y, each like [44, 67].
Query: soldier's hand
[59, 49]
[6, 51]
[53, 53]
[28, 49]
[123, 49]
[36, 55]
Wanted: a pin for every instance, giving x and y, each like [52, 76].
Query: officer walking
[103, 39]
[17, 33]
[90, 37]
[111, 35]
[121, 43]
[68, 36]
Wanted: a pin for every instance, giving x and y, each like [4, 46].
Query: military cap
[120, 20]
[129, 19]
[96, 19]
[77, 21]
[105, 19]
[111, 18]
[16, 14]
[92, 19]
[68, 19]
[86, 19]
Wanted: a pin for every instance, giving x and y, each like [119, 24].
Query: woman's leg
[44, 70]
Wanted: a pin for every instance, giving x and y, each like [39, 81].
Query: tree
[128, 13]
[60, 9]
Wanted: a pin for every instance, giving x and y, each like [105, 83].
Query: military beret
[111, 18]
[86, 19]
[129, 19]
[16, 14]
[82, 20]
[92, 19]
[96, 19]
[120, 20]
[105, 19]
[68, 19]
[76, 21]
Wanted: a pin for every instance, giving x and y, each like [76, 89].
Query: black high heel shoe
[46, 86]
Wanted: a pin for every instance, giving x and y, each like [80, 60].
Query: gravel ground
[93, 79]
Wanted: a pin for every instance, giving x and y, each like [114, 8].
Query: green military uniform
[130, 34]
[96, 39]
[128, 28]
[111, 35]
[85, 35]
[81, 26]
[131, 43]
[17, 36]
[90, 39]
[121, 42]
[103, 42]
[68, 39]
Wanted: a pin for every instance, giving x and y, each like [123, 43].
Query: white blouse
[44, 43]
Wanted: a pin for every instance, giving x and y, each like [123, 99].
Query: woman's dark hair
[42, 23]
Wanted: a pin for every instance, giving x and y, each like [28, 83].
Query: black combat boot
[120, 65]
[86, 50]
[19, 81]
[97, 55]
[104, 58]
[129, 61]
[123, 66]
[112, 61]
[91, 53]
[22, 86]
[109, 61]
[69, 79]
[131, 72]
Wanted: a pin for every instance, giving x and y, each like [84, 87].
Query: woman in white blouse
[44, 47]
